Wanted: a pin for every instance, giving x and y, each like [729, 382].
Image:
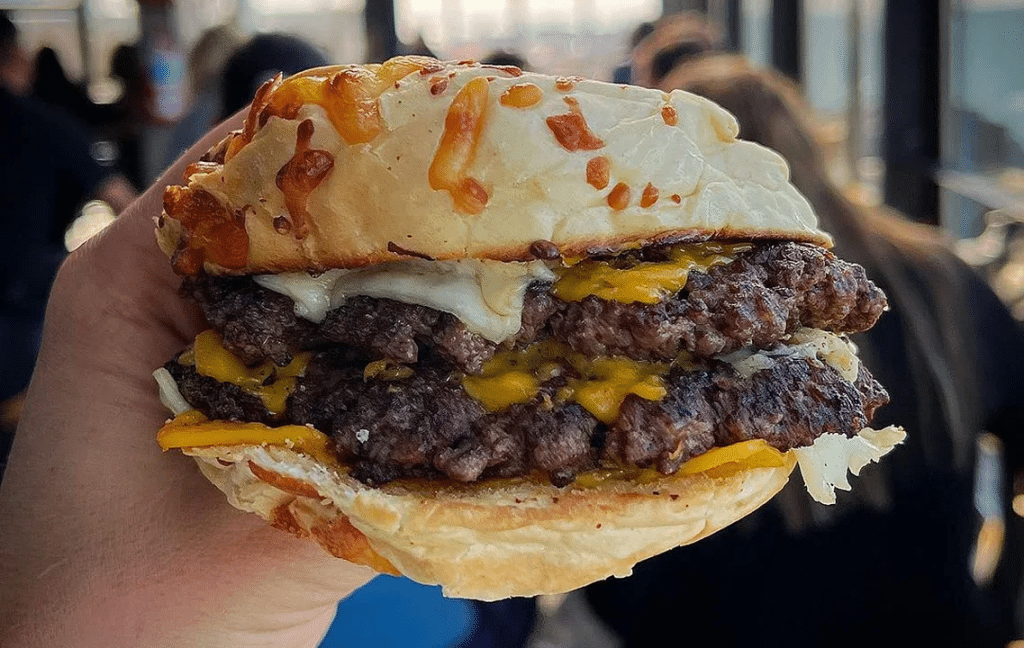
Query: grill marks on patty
[765, 294]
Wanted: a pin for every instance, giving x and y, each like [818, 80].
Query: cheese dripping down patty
[268, 382]
[487, 296]
[647, 282]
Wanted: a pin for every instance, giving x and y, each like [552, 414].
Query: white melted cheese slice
[312, 295]
[487, 296]
[813, 344]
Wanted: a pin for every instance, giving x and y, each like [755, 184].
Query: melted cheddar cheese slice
[645, 282]
[268, 382]
[193, 430]
[717, 462]
[599, 384]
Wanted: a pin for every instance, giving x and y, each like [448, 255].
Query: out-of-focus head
[209, 55]
[642, 31]
[16, 69]
[126, 63]
[51, 83]
[260, 59]
[48, 63]
[674, 39]
[506, 57]
[769, 107]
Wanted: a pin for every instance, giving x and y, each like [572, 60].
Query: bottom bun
[489, 540]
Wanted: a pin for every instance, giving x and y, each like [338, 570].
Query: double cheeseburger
[505, 332]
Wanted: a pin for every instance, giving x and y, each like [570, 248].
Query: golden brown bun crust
[587, 165]
[488, 541]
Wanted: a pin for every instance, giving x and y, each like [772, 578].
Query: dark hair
[504, 57]
[641, 32]
[8, 34]
[675, 39]
[126, 63]
[674, 55]
[260, 59]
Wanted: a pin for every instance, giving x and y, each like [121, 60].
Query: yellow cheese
[595, 478]
[648, 282]
[268, 382]
[192, 430]
[499, 391]
[745, 454]
[717, 462]
[602, 384]
[607, 382]
[386, 370]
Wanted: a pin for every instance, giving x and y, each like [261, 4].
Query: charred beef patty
[763, 295]
[426, 425]
[421, 422]
[257, 324]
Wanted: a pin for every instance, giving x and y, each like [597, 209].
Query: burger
[505, 332]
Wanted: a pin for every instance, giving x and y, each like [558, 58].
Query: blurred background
[952, 140]
[919, 106]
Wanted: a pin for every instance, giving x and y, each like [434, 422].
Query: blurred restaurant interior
[920, 106]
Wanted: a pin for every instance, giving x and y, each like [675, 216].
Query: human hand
[106, 541]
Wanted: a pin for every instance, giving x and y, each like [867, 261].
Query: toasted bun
[461, 160]
[492, 540]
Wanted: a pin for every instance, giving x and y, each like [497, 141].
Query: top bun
[353, 165]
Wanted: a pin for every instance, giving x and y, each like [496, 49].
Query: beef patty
[762, 296]
[427, 425]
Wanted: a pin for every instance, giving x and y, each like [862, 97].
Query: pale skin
[107, 541]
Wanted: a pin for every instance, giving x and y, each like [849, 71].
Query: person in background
[48, 173]
[205, 63]
[258, 60]
[52, 85]
[507, 57]
[890, 563]
[624, 73]
[133, 110]
[674, 39]
[17, 72]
